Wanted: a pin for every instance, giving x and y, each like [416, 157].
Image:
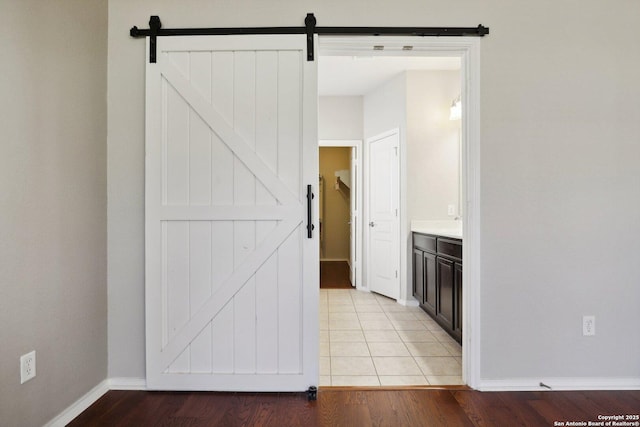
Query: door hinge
[396, 212]
[396, 150]
[396, 274]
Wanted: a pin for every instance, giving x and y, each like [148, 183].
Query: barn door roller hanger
[155, 30]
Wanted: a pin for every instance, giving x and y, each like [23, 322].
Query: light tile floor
[370, 340]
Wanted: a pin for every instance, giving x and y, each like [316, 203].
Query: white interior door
[353, 217]
[356, 214]
[231, 276]
[384, 221]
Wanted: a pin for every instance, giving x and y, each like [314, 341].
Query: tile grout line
[439, 339]
[369, 349]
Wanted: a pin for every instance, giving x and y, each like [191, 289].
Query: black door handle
[310, 225]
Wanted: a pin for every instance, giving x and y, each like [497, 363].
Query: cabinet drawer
[450, 247]
[425, 243]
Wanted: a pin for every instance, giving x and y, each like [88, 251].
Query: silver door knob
[372, 224]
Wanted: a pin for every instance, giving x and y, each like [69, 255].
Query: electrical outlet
[27, 366]
[588, 325]
[451, 210]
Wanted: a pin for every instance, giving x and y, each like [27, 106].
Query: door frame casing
[468, 50]
[357, 144]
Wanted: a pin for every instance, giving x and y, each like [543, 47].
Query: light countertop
[440, 228]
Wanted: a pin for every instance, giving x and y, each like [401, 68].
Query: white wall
[560, 202]
[125, 159]
[340, 117]
[560, 209]
[385, 107]
[433, 146]
[53, 202]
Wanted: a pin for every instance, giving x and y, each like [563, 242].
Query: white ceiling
[353, 76]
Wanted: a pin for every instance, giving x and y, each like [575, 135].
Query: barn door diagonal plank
[228, 289]
[227, 134]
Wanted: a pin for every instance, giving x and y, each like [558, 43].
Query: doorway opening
[351, 67]
[340, 207]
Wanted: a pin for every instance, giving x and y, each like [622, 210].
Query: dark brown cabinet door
[445, 275]
[418, 276]
[429, 266]
[457, 296]
[437, 280]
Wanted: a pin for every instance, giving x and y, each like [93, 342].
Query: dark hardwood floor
[351, 407]
[334, 275]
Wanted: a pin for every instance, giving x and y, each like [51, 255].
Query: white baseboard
[76, 408]
[127, 383]
[409, 303]
[559, 383]
[66, 416]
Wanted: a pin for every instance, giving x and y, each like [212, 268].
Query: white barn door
[231, 276]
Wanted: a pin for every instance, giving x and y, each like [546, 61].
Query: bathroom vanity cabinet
[437, 280]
